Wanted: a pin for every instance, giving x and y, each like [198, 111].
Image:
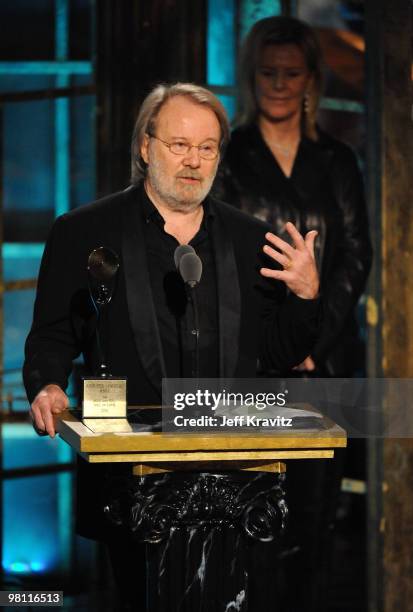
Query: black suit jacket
[255, 318]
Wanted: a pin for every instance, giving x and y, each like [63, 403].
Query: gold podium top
[143, 446]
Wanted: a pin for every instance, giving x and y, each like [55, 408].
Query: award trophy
[104, 396]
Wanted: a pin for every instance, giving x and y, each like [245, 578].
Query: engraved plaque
[104, 398]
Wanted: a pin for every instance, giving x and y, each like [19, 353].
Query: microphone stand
[195, 330]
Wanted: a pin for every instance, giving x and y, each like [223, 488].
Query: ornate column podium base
[212, 538]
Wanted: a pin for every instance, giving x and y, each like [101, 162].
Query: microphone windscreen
[181, 250]
[190, 268]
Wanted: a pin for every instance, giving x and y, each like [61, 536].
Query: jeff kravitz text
[234, 421]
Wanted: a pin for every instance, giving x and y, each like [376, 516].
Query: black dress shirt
[173, 308]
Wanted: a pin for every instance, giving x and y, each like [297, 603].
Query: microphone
[181, 250]
[190, 267]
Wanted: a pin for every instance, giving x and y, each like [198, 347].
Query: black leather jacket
[325, 193]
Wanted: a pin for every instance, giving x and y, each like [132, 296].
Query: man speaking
[258, 295]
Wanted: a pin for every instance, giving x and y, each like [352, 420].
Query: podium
[210, 507]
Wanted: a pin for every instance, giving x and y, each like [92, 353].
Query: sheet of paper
[297, 410]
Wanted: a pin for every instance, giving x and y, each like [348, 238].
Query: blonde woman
[279, 166]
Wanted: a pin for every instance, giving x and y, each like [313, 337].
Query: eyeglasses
[206, 151]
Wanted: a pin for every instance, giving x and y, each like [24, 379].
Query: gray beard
[173, 199]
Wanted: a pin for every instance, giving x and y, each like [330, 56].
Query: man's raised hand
[300, 271]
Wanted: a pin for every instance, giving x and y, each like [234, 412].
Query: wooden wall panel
[140, 44]
[389, 25]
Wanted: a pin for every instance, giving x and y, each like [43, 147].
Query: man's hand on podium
[49, 401]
